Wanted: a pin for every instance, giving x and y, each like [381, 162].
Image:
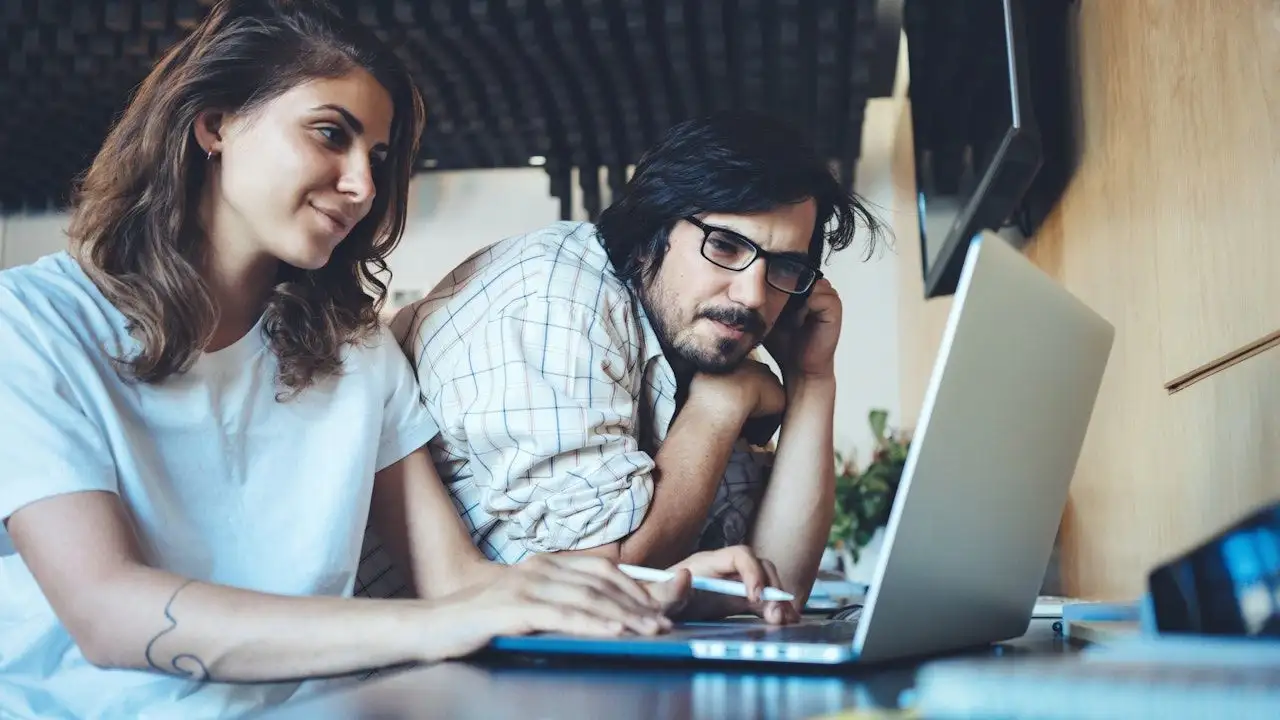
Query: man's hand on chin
[732, 563]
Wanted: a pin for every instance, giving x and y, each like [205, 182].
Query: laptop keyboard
[834, 632]
[830, 632]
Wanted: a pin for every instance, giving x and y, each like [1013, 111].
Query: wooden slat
[1239, 355]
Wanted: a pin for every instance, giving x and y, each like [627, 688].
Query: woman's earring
[209, 157]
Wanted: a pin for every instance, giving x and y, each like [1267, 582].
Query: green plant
[864, 496]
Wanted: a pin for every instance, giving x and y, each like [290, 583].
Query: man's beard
[724, 355]
[721, 360]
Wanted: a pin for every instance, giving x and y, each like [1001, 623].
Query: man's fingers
[749, 569]
[822, 287]
[674, 593]
[772, 614]
[778, 612]
[821, 303]
[822, 297]
[771, 573]
[732, 562]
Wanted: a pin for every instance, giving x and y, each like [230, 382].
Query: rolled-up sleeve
[549, 399]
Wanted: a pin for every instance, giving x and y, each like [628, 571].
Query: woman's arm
[82, 551]
[414, 517]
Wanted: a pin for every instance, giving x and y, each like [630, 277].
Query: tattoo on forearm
[183, 664]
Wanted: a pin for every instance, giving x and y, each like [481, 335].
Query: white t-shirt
[224, 483]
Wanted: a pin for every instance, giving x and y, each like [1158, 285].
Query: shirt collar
[652, 347]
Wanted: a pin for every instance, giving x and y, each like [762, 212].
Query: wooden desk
[542, 689]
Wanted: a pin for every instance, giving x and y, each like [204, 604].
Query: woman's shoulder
[48, 273]
[53, 317]
[375, 341]
[51, 292]
[376, 351]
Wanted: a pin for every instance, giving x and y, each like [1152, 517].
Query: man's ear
[208, 128]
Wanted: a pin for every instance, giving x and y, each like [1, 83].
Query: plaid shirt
[553, 397]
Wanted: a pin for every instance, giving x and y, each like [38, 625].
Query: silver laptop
[982, 492]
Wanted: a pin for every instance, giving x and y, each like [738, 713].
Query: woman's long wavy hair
[134, 225]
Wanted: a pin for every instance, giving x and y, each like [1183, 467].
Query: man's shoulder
[562, 264]
[564, 261]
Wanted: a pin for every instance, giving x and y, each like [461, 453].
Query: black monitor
[977, 139]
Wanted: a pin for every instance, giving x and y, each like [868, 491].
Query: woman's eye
[333, 134]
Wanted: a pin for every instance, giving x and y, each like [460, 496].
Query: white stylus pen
[715, 585]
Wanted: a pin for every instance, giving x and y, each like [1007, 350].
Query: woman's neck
[240, 288]
[239, 277]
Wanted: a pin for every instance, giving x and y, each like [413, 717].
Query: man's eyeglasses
[732, 251]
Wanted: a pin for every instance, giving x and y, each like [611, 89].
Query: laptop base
[822, 642]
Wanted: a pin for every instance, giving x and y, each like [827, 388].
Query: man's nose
[750, 287]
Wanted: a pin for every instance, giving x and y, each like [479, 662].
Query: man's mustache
[748, 321]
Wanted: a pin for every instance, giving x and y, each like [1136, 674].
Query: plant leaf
[864, 496]
[879, 420]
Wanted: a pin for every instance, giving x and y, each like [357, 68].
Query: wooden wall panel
[1160, 231]
[1230, 426]
[1200, 124]
[1169, 229]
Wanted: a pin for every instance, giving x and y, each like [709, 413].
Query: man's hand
[578, 595]
[731, 563]
[751, 390]
[805, 346]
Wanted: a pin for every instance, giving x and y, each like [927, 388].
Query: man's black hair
[736, 162]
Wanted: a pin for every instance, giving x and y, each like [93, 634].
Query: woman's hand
[578, 595]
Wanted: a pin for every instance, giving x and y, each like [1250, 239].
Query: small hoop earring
[209, 157]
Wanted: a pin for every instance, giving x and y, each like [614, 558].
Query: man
[594, 385]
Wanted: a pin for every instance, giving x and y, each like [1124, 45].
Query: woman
[201, 410]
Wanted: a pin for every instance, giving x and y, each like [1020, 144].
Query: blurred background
[1131, 148]
[537, 111]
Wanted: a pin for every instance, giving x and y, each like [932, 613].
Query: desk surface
[538, 689]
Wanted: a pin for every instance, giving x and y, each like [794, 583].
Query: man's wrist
[809, 385]
[715, 405]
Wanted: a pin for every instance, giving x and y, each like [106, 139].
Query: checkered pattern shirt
[553, 397]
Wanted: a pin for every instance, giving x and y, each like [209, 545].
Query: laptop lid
[985, 481]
